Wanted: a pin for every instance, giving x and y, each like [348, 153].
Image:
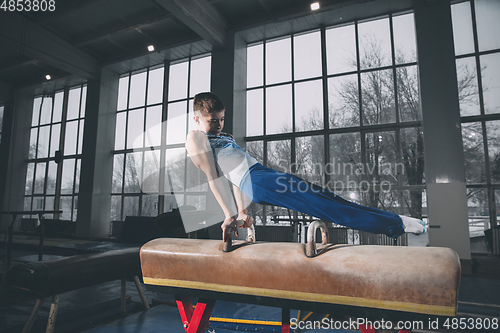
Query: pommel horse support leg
[194, 321]
[365, 281]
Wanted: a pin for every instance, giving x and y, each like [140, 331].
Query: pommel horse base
[389, 282]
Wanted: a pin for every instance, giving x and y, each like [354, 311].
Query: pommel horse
[364, 281]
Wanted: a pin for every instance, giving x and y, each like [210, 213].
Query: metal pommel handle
[311, 237]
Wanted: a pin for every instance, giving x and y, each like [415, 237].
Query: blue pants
[270, 187]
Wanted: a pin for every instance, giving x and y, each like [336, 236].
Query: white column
[94, 199]
[444, 157]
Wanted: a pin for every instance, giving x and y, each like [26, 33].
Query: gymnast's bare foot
[414, 225]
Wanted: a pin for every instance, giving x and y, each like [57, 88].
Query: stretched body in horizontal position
[221, 159]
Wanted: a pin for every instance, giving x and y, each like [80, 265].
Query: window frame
[363, 129]
[59, 158]
[162, 204]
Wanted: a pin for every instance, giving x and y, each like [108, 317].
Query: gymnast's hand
[247, 220]
[228, 226]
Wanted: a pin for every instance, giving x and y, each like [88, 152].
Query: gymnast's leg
[267, 186]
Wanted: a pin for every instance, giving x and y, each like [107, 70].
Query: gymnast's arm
[202, 157]
[242, 202]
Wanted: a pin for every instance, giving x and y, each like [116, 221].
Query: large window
[477, 50]
[150, 172]
[339, 107]
[56, 140]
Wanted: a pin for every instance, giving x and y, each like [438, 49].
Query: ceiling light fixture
[151, 48]
[315, 6]
[48, 77]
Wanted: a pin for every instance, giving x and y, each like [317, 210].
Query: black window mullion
[124, 170]
[187, 127]
[265, 208]
[326, 111]
[64, 118]
[141, 177]
[292, 52]
[397, 132]
[79, 120]
[48, 153]
[75, 175]
[394, 69]
[476, 58]
[163, 138]
[38, 126]
[358, 65]
[293, 155]
[122, 200]
[143, 154]
[125, 154]
[360, 97]
[264, 97]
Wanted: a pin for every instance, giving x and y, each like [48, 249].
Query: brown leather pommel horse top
[421, 280]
